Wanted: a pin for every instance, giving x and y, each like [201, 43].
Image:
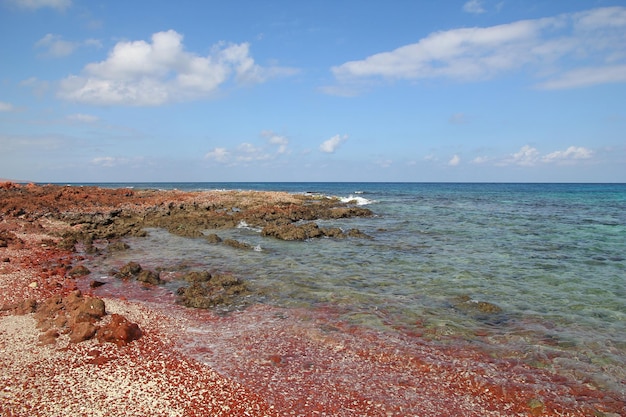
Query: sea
[535, 270]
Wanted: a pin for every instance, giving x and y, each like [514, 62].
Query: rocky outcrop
[307, 231]
[208, 291]
[134, 270]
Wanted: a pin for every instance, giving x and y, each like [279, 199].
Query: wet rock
[357, 233]
[68, 243]
[78, 271]
[119, 331]
[129, 270]
[292, 231]
[149, 277]
[213, 238]
[118, 246]
[197, 276]
[466, 303]
[236, 244]
[218, 290]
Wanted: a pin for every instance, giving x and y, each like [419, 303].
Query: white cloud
[274, 139]
[218, 154]
[331, 145]
[572, 50]
[454, 161]
[141, 73]
[528, 156]
[82, 118]
[6, 106]
[38, 4]
[480, 160]
[583, 77]
[247, 152]
[570, 154]
[474, 6]
[110, 161]
[57, 47]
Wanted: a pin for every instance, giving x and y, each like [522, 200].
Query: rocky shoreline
[64, 351]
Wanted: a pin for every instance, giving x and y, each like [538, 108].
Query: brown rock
[131, 269]
[213, 238]
[79, 271]
[119, 331]
[149, 277]
[49, 337]
[82, 331]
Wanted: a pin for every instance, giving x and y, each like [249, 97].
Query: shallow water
[551, 257]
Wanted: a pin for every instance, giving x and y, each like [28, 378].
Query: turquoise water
[550, 257]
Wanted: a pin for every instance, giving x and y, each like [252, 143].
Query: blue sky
[354, 90]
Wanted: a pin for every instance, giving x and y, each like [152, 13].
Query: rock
[78, 271]
[7, 259]
[149, 277]
[82, 331]
[129, 270]
[236, 244]
[49, 337]
[118, 246]
[119, 331]
[197, 276]
[292, 231]
[213, 238]
[21, 308]
[96, 284]
[465, 303]
[10, 239]
[219, 290]
[357, 233]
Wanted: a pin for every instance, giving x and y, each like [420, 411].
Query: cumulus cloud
[454, 161]
[55, 46]
[568, 50]
[140, 73]
[570, 154]
[331, 145]
[474, 6]
[526, 156]
[217, 154]
[38, 4]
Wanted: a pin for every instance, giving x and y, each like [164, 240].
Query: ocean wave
[359, 201]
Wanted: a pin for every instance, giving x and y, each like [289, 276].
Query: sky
[325, 90]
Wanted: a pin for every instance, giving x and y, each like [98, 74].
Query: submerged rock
[213, 291]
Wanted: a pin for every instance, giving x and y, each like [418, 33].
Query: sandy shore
[262, 361]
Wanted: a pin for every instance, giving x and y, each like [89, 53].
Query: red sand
[263, 361]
